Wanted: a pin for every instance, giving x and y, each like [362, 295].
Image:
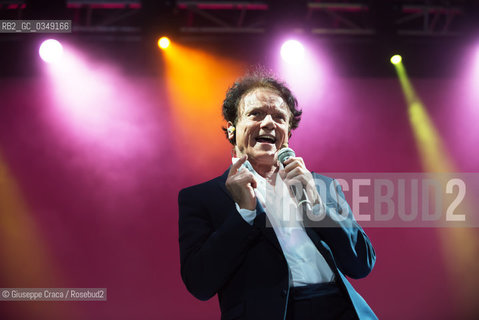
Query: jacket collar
[261, 221]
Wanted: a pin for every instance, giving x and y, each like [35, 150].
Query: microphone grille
[284, 154]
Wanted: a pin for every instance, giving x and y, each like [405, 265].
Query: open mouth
[266, 139]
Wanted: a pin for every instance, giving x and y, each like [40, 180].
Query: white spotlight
[50, 50]
[292, 51]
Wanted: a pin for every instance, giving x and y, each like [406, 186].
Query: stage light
[292, 51]
[50, 50]
[395, 59]
[163, 42]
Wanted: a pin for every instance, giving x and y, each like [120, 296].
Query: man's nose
[267, 122]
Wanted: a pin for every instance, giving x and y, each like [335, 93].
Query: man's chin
[263, 156]
[265, 147]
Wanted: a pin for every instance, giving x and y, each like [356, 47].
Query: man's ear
[231, 130]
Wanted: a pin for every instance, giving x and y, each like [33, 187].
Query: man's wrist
[246, 214]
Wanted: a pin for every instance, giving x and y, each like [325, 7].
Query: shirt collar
[248, 166]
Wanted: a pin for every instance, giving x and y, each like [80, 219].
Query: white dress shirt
[306, 263]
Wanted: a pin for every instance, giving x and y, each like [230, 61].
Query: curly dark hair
[258, 78]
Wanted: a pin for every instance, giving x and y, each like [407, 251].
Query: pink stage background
[93, 203]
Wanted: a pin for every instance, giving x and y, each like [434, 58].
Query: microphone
[283, 155]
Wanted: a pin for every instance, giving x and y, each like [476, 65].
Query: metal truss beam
[353, 18]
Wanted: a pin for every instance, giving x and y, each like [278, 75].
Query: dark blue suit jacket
[222, 254]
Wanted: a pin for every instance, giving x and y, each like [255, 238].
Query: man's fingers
[291, 167]
[296, 173]
[291, 159]
[242, 178]
[235, 167]
[294, 160]
[253, 183]
[245, 177]
[291, 164]
[288, 161]
[241, 186]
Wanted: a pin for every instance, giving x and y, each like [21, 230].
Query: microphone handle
[304, 201]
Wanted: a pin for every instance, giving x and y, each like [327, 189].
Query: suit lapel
[261, 221]
[221, 183]
[324, 252]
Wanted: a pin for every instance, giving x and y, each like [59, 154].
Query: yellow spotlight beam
[460, 245]
[25, 260]
[428, 141]
[197, 81]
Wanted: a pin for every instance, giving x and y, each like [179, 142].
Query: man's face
[262, 127]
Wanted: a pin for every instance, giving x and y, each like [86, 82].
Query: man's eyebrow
[285, 112]
[266, 106]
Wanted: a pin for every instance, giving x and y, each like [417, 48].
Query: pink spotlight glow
[94, 105]
[475, 75]
[471, 80]
[305, 75]
[50, 50]
[292, 51]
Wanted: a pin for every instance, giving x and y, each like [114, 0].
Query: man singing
[272, 239]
